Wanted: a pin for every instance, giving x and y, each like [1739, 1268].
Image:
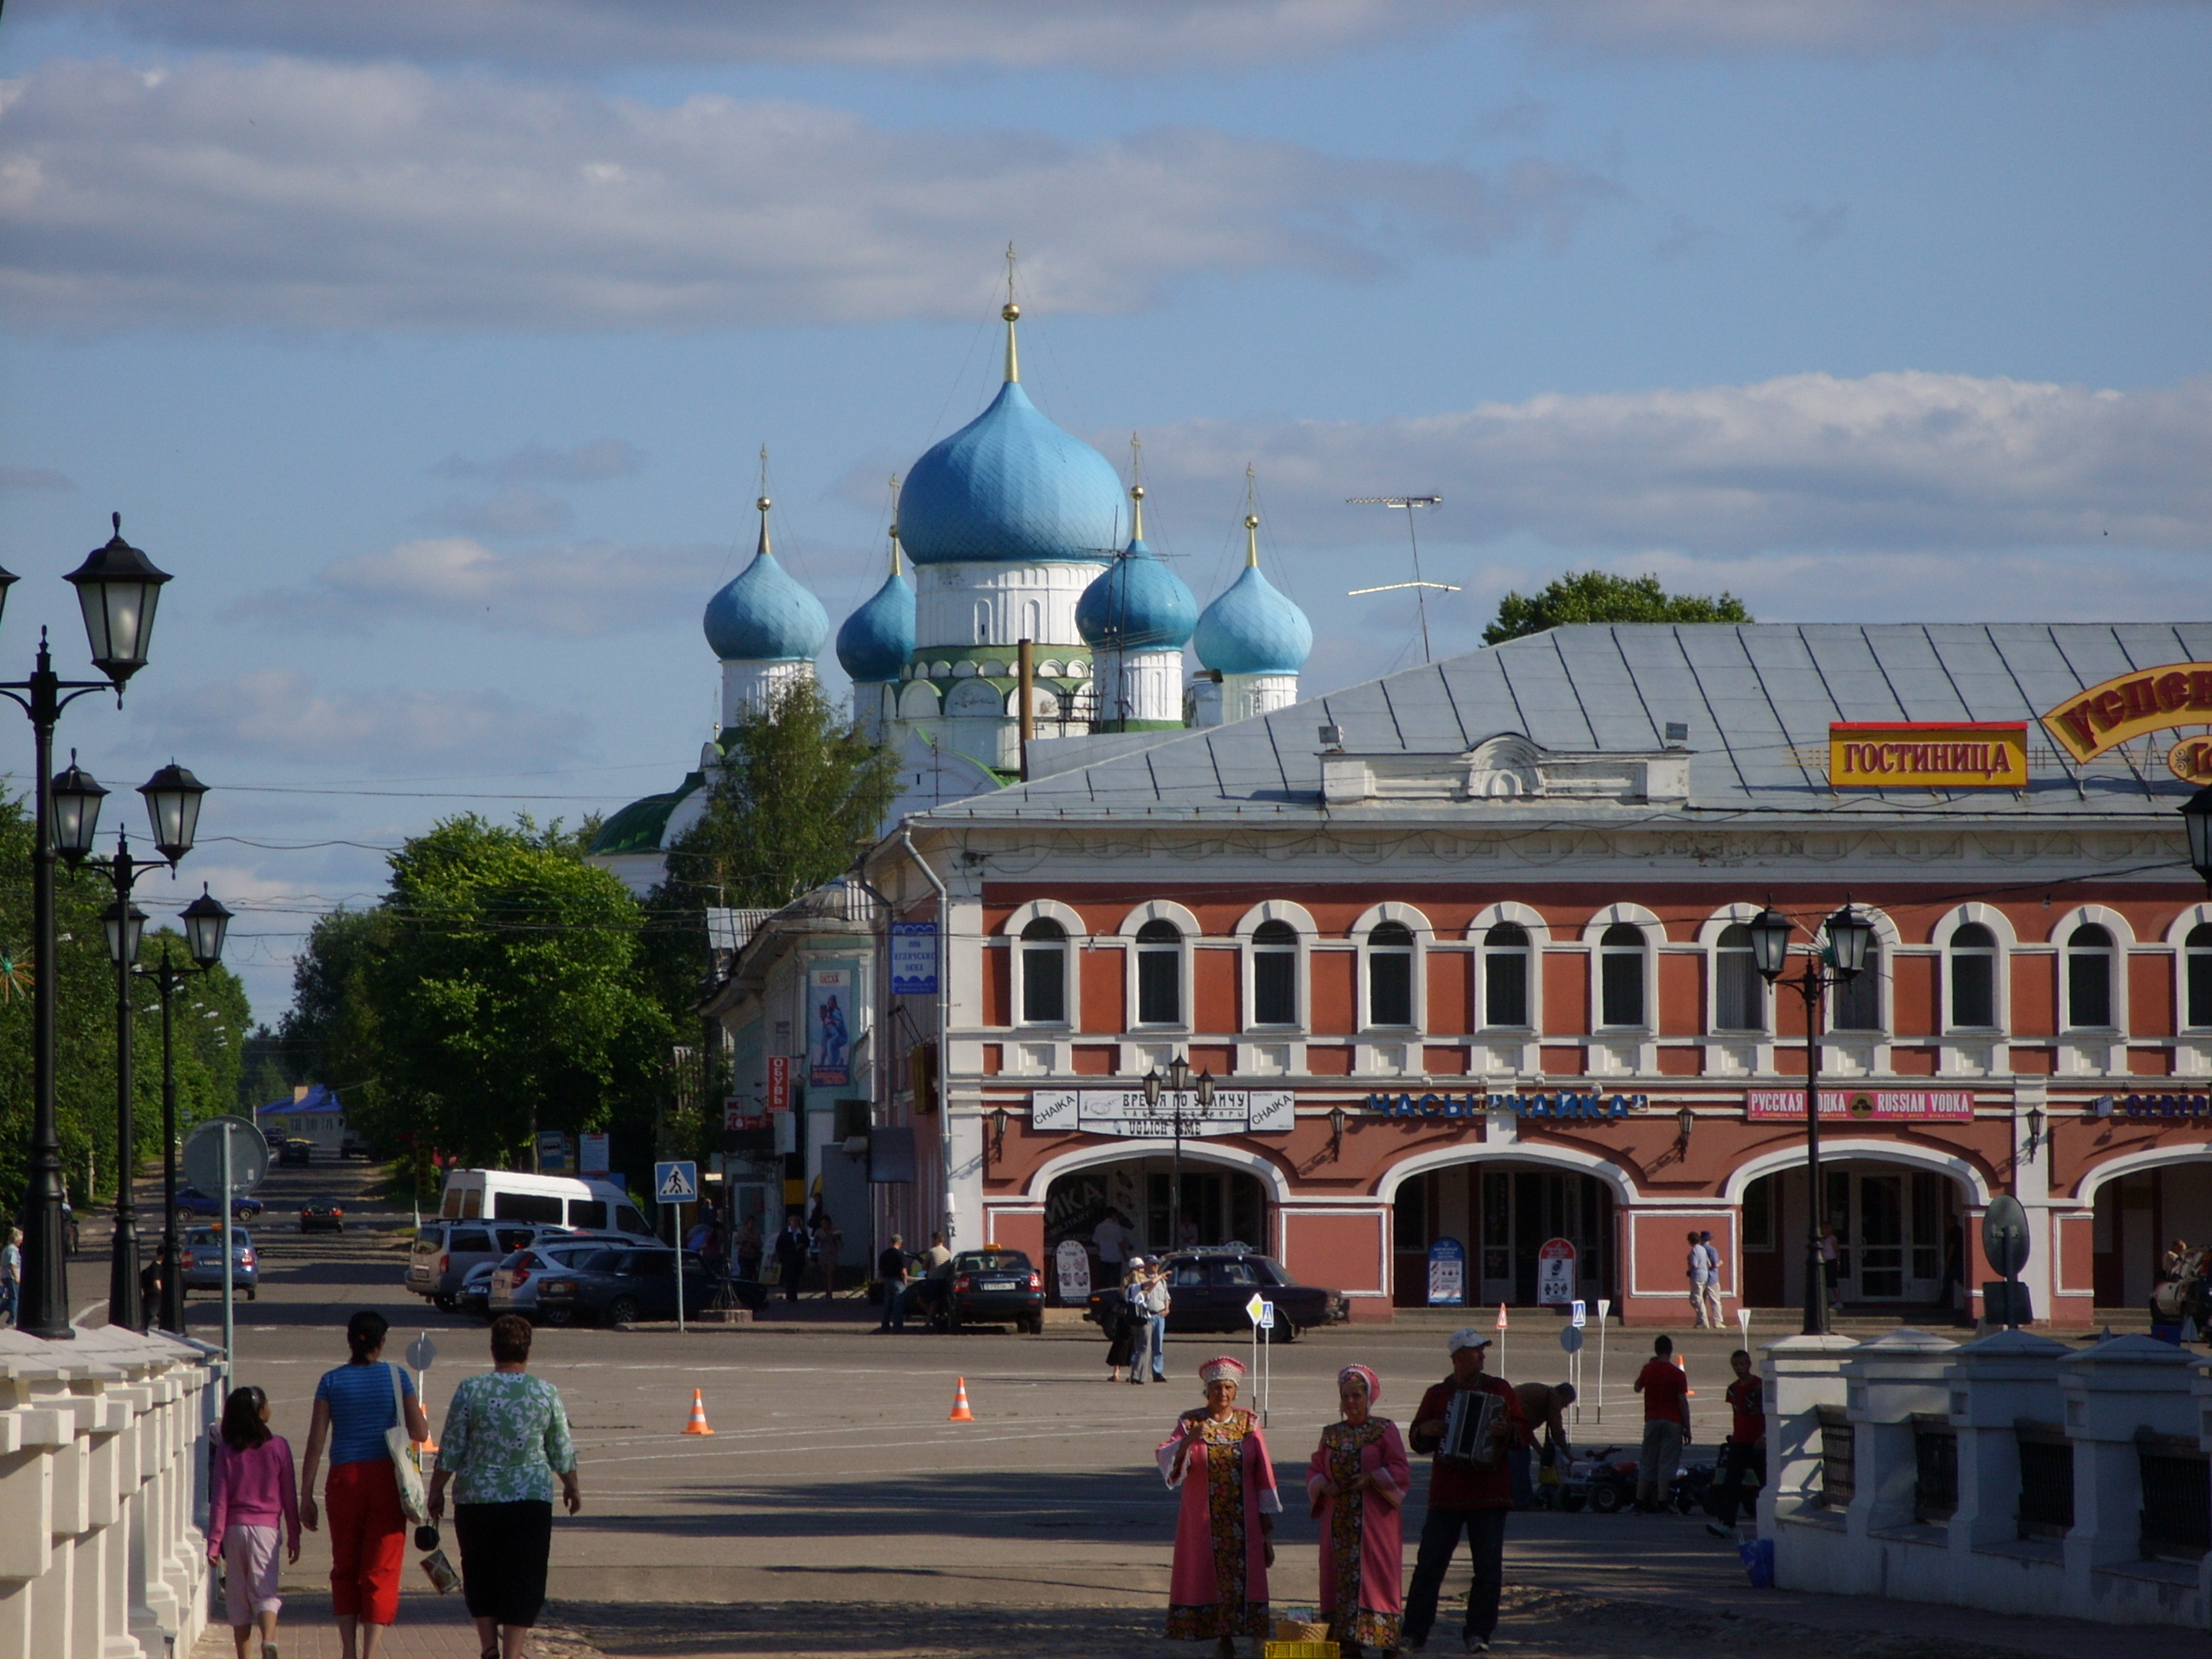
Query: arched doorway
[1502, 1211]
[1900, 1235]
[2137, 1215]
[1220, 1205]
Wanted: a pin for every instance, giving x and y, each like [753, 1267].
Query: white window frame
[1186, 924]
[1887, 941]
[1425, 935]
[2123, 938]
[1301, 923]
[2001, 929]
[1655, 939]
[2176, 940]
[1530, 922]
[1709, 938]
[1071, 922]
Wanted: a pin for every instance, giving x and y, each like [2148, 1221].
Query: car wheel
[1036, 1324]
[252, 1290]
[1605, 1500]
[1286, 1330]
[621, 1312]
[442, 1303]
[557, 1315]
[952, 1321]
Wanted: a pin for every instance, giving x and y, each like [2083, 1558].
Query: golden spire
[1251, 519]
[894, 546]
[1011, 313]
[1137, 489]
[762, 504]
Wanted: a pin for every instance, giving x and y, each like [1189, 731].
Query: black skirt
[504, 1548]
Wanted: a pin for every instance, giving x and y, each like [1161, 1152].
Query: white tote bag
[406, 1462]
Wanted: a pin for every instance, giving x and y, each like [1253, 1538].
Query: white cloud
[288, 194]
[35, 478]
[1115, 35]
[539, 463]
[1896, 461]
[510, 513]
[277, 714]
[580, 590]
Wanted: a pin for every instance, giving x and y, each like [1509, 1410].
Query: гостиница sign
[1564, 1104]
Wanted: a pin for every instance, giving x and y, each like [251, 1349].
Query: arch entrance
[1220, 1204]
[1899, 1237]
[2137, 1215]
[1502, 1210]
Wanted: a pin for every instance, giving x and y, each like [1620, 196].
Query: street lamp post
[1837, 962]
[172, 805]
[206, 925]
[117, 590]
[1178, 1083]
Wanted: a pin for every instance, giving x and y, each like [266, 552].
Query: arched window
[1032, 620]
[2089, 976]
[1620, 976]
[1739, 993]
[1973, 977]
[982, 622]
[2197, 952]
[1855, 1004]
[1044, 973]
[1505, 975]
[1274, 974]
[1390, 974]
[1160, 975]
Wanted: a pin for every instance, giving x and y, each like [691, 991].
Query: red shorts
[368, 1540]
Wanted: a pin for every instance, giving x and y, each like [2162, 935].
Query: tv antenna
[1420, 588]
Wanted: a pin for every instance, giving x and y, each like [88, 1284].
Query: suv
[445, 1250]
[617, 1287]
[1210, 1290]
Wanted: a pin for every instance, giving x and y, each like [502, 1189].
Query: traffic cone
[960, 1412]
[1688, 1394]
[698, 1423]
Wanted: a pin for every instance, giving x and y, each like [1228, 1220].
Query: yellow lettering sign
[2148, 700]
[1912, 755]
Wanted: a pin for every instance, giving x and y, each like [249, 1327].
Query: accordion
[1474, 1430]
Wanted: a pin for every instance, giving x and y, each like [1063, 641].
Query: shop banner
[1127, 1112]
[1923, 754]
[1864, 1105]
[2191, 1106]
[914, 958]
[779, 1083]
[829, 1023]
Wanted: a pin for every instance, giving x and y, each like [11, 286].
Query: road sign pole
[229, 1329]
[679, 1272]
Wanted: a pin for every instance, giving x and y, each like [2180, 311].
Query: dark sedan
[1212, 1291]
[322, 1215]
[296, 1150]
[986, 1287]
[191, 1201]
[619, 1287]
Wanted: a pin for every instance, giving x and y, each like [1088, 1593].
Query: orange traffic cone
[1690, 1394]
[960, 1412]
[698, 1423]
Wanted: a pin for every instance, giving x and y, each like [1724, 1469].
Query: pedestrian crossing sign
[676, 1182]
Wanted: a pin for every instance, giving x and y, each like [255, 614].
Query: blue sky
[432, 347]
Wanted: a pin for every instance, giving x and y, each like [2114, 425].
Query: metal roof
[1758, 699]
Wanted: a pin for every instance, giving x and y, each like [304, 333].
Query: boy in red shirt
[1746, 1452]
[1666, 1390]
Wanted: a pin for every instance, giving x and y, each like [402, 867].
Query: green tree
[1593, 596]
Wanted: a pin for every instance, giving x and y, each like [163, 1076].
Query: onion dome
[876, 640]
[1139, 604]
[1252, 629]
[1011, 486]
[763, 615]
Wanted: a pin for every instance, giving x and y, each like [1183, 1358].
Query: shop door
[1882, 1238]
[1897, 1236]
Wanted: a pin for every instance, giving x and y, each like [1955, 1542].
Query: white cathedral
[1013, 531]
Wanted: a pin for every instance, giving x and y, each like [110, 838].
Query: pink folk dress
[1220, 1585]
[1362, 1540]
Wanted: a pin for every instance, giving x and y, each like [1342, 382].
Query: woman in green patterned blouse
[506, 1436]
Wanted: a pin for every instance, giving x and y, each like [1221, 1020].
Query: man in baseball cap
[1472, 1494]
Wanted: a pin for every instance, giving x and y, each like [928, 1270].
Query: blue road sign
[676, 1182]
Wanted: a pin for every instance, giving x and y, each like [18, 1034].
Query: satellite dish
[2004, 1235]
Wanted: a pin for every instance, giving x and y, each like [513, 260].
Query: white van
[547, 1201]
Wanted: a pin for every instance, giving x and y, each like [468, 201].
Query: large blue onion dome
[1010, 485]
[1138, 603]
[763, 615]
[876, 639]
[1252, 629]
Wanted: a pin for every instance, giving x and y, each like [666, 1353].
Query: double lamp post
[117, 590]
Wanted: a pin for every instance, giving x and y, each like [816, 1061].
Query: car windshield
[598, 1261]
[991, 1262]
[211, 1237]
[575, 1257]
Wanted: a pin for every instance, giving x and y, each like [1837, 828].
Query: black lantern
[1153, 1087]
[1179, 1075]
[2196, 814]
[1685, 1121]
[8, 579]
[206, 925]
[1770, 943]
[1205, 1089]
[124, 922]
[76, 796]
[117, 588]
[1848, 935]
[2034, 1129]
[172, 803]
[1336, 1121]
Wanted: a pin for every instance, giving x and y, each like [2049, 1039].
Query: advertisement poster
[1871, 1105]
[1555, 1274]
[594, 1154]
[779, 1083]
[829, 1023]
[914, 958]
[1447, 1274]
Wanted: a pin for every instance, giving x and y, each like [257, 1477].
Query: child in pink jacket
[251, 1488]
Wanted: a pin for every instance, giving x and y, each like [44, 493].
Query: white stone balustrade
[2107, 1405]
[102, 1484]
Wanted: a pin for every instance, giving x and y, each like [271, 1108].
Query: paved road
[836, 1509]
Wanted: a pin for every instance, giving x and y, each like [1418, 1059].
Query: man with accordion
[1468, 1421]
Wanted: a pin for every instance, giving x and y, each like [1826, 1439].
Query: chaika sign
[1862, 1105]
[1925, 755]
[1565, 1104]
[2141, 1106]
[2107, 715]
[1127, 1112]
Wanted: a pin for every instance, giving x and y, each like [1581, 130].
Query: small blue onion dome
[763, 615]
[1252, 629]
[1139, 604]
[876, 639]
[1011, 486]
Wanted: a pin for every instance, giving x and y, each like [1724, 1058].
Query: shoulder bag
[406, 1461]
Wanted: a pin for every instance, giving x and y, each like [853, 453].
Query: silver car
[514, 1281]
[202, 1260]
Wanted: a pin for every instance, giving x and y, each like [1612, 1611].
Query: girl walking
[250, 1490]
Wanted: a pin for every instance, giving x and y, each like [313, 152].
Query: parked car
[474, 1298]
[1209, 1290]
[322, 1215]
[296, 1150]
[618, 1287]
[990, 1286]
[352, 1143]
[515, 1282]
[202, 1261]
[192, 1202]
[445, 1251]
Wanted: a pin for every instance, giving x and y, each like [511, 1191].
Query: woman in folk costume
[1358, 1481]
[1224, 1540]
